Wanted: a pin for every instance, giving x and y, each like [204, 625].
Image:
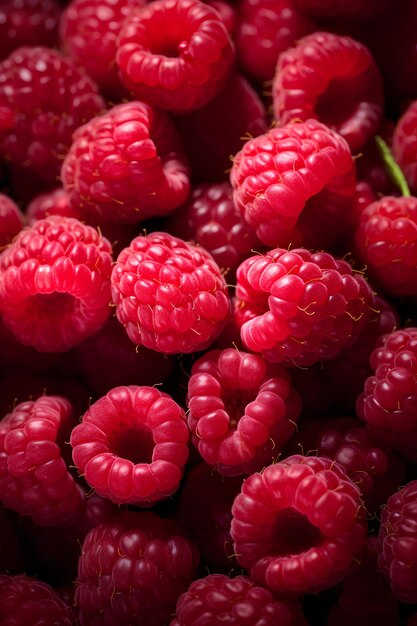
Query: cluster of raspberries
[208, 338]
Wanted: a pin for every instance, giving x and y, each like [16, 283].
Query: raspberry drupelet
[11, 220]
[131, 445]
[55, 202]
[175, 54]
[298, 525]
[169, 295]
[295, 185]
[126, 165]
[242, 410]
[300, 307]
[55, 284]
[404, 145]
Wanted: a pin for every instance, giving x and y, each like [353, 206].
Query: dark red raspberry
[11, 220]
[218, 598]
[169, 295]
[175, 54]
[265, 29]
[398, 543]
[54, 202]
[126, 166]
[295, 185]
[44, 97]
[242, 410]
[297, 526]
[133, 571]
[34, 479]
[55, 284]
[24, 601]
[404, 145]
[131, 445]
[389, 402]
[334, 79]
[300, 307]
[358, 9]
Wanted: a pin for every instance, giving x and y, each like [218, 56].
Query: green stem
[393, 169]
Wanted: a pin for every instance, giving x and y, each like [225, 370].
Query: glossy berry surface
[404, 145]
[11, 220]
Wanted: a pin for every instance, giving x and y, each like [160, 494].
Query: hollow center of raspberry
[338, 103]
[235, 402]
[133, 442]
[51, 305]
[168, 45]
[293, 533]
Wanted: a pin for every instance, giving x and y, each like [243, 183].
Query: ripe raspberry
[242, 411]
[132, 571]
[227, 13]
[170, 295]
[295, 185]
[298, 525]
[218, 598]
[131, 445]
[334, 79]
[404, 145]
[358, 9]
[398, 540]
[126, 166]
[55, 284]
[34, 479]
[54, 202]
[300, 307]
[11, 220]
[175, 54]
[44, 97]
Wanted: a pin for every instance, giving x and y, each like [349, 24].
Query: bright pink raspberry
[132, 571]
[298, 525]
[242, 410]
[295, 185]
[175, 54]
[131, 445]
[404, 145]
[44, 97]
[11, 220]
[358, 9]
[169, 295]
[55, 202]
[300, 307]
[126, 166]
[34, 479]
[218, 598]
[55, 284]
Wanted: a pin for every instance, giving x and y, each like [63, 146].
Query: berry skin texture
[404, 144]
[132, 571]
[11, 220]
[55, 284]
[297, 526]
[175, 54]
[55, 202]
[300, 307]
[295, 185]
[131, 445]
[242, 410]
[34, 479]
[126, 166]
[169, 295]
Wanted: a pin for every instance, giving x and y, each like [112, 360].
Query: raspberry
[169, 295]
[126, 166]
[398, 541]
[218, 598]
[54, 202]
[24, 601]
[34, 479]
[175, 54]
[295, 185]
[131, 445]
[242, 411]
[55, 284]
[227, 13]
[404, 146]
[358, 9]
[334, 79]
[298, 525]
[44, 97]
[11, 220]
[389, 400]
[300, 307]
[132, 571]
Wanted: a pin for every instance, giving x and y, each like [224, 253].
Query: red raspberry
[34, 479]
[334, 79]
[126, 166]
[44, 97]
[170, 295]
[404, 144]
[298, 525]
[24, 601]
[398, 543]
[242, 411]
[54, 202]
[11, 220]
[295, 185]
[133, 571]
[55, 284]
[218, 598]
[175, 54]
[300, 307]
[227, 12]
[131, 445]
[358, 9]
